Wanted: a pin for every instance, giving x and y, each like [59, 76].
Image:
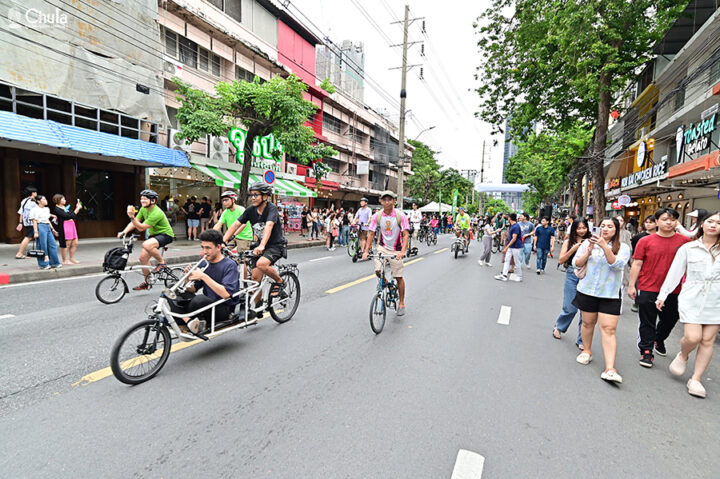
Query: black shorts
[29, 231]
[591, 304]
[162, 239]
[274, 253]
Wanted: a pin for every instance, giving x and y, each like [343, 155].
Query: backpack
[116, 259]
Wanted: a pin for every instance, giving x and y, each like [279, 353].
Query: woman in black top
[67, 243]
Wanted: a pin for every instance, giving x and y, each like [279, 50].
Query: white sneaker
[501, 277]
[611, 376]
[695, 388]
[516, 278]
[584, 358]
[488, 264]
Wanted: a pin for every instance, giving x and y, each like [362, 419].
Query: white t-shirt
[415, 217]
[40, 214]
[26, 206]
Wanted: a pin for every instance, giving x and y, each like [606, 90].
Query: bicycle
[422, 233]
[386, 296]
[431, 238]
[112, 288]
[459, 244]
[143, 349]
[353, 246]
[496, 244]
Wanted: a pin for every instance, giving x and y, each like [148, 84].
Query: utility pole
[482, 179]
[403, 95]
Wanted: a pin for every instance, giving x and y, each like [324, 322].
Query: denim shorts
[193, 223]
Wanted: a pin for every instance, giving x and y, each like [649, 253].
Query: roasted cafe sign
[695, 137]
[647, 174]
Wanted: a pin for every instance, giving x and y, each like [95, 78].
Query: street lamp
[426, 129]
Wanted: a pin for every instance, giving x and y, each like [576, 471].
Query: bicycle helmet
[149, 194]
[229, 194]
[364, 199]
[262, 188]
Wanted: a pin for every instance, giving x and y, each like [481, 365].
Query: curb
[65, 272]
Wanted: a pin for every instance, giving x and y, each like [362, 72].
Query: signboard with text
[639, 177]
[695, 137]
[267, 151]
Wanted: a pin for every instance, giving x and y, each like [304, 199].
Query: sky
[445, 98]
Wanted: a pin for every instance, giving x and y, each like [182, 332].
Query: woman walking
[331, 231]
[314, 221]
[25, 223]
[488, 232]
[698, 301]
[44, 233]
[579, 232]
[600, 261]
[66, 227]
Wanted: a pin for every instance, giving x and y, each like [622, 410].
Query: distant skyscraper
[509, 150]
[344, 66]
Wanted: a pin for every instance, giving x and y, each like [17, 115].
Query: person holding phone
[67, 230]
[600, 261]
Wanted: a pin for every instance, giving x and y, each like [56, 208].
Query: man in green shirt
[232, 212]
[150, 218]
[462, 223]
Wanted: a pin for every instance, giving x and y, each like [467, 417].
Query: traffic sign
[269, 177]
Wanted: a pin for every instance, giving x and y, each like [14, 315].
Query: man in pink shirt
[394, 239]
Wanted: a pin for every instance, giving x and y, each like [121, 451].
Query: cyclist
[267, 226]
[232, 212]
[362, 218]
[150, 218]
[394, 238]
[462, 224]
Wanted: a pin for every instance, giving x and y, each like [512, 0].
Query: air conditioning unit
[179, 143]
[172, 68]
[291, 168]
[218, 149]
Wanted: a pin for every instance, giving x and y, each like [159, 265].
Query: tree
[276, 106]
[559, 63]
[429, 179]
[494, 206]
[544, 160]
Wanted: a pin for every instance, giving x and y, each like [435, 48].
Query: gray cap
[388, 193]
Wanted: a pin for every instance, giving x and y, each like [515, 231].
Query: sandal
[278, 290]
[22, 256]
[556, 333]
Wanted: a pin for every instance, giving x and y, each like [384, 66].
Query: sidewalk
[91, 252]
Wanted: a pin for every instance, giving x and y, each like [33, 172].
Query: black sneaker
[660, 348]
[646, 359]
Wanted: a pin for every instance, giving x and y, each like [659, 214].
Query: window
[234, 9]
[715, 73]
[243, 74]
[188, 52]
[171, 39]
[355, 135]
[209, 62]
[332, 163]
[95, 189]
[679, 98]
[331, 123]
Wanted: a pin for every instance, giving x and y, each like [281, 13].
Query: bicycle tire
[285, 310]
[377, 313]
[172, 276]
[113, 282]
[456, 252]
[120, 367]
[352, 247]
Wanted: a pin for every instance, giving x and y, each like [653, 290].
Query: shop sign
[624, 200]
[263, 149]
[616, 205]
[650, 173]
[613, 183]
[695, 138]
[641, 154]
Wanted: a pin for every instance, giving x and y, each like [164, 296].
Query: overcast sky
[445, 98]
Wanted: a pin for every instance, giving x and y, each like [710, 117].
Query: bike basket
[116, 259]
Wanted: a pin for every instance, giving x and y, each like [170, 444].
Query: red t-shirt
[657, 254]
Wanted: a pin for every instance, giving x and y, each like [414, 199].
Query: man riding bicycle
[264, 218]
[232, 212]
[394, 238]
[462, 224]
[150, 218]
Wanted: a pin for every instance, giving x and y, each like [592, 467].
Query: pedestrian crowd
[667, 272]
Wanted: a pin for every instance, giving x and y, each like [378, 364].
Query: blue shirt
[515, 230]
[602, 280]
[543, 234]
[224, 272]
[526, 229]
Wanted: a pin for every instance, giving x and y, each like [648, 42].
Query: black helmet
[149, 194]
[229, 194]
[261, 187]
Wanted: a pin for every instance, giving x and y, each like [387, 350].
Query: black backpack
[116, 259]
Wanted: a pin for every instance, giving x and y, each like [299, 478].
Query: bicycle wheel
[111, 289]
[456, 251]
[284, 309]
[495, 246]
[172, 276]
[141, 352]
[377, 313]
[352, 247]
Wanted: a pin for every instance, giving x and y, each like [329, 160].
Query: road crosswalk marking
[504, 316]
[468, 465]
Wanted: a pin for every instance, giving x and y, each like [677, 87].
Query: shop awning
[30, 131]
[233, 178]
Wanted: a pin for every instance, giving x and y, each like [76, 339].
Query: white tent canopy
[501, 188]
[434, 208]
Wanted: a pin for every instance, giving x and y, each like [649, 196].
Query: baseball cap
[388, 193]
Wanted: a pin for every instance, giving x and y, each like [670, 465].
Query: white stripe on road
[504, 317]
[321, 258]
[468, 465]
[69, 278]
[7, 316]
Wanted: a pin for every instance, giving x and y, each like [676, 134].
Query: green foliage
[494, 206]
[276, 106]
[327, 86]
[544, 160]
[427, 181]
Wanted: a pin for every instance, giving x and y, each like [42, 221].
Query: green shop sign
[697, 137]
[263, 149]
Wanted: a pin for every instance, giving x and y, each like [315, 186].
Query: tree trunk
[253, 132]
[596, 170]
[578, 192]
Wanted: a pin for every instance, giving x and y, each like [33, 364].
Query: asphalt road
[323, 397]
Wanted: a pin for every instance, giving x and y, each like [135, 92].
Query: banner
[454, 203]
[263, 149]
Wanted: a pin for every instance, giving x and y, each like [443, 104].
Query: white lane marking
[321, 258]
[6, 316]
[504, 316]
[468, 465]
[70, 278]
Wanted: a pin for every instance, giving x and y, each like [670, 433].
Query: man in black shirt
[267, 226]
[192, 215]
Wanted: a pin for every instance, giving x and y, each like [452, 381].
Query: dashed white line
[504, 316]
[7, 316]
[468, 465]
[321, 258]
[44, 281]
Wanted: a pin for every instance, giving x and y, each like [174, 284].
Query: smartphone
[596, 231]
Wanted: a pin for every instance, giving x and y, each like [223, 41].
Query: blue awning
[20, 128]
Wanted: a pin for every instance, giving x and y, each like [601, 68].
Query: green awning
[233, 178]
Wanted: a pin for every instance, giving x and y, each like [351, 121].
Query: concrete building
[344, 66]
